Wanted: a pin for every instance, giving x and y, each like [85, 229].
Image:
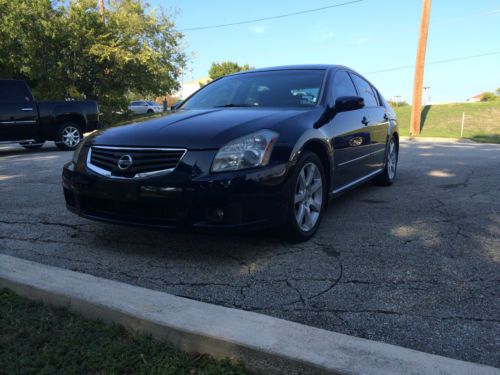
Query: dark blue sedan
[261, 148]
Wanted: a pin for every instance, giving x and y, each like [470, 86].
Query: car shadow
[19, 150]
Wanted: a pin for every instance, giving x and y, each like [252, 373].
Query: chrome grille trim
[108, 173]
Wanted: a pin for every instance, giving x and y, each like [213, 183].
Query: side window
[342, 85]
[14, 92]
[378, 97]
[365, 91]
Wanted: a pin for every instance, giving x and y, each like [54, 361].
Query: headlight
[76, 154]
[250, 151]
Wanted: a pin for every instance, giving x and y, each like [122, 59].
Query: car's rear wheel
[69, 136]
[307, 198]
[391, 165]
[32, 145]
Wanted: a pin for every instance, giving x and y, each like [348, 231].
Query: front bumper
[236, 200]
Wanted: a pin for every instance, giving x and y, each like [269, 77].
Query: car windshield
[284, 88]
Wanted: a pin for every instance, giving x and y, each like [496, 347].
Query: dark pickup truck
[30, 123]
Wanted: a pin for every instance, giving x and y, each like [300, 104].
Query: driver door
[348, 135]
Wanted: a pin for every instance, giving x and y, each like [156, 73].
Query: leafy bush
[401, 103]
[488, 96]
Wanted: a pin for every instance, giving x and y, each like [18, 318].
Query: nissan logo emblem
[125, 162]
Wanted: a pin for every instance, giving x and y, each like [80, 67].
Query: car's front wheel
[307, 198]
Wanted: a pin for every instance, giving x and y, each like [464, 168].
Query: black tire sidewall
[59, 141]
[293, 231]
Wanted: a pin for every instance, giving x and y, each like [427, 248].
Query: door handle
[365, 121]
[26, 109]
[386, 117]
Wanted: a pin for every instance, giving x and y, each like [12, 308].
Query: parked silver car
[144, 106]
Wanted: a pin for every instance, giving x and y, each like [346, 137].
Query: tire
[307, 198]
[69, 135]
[388, 176]
[150, 111]
[32, 145]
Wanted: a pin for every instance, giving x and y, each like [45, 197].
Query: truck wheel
[32, 145]
[68, 136]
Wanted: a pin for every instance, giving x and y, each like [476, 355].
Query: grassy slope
[39, 339]
[482, 121]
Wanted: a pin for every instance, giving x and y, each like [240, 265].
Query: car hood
[196, 129]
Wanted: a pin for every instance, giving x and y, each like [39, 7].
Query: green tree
[63, 49]
[488, 96]
[401, 103]
[30, 43]
[497, 91]
[224, 68]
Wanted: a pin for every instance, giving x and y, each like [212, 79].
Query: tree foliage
[64, 49]
[488, 96]
[401, 103]
[224, 68]
[497, 91]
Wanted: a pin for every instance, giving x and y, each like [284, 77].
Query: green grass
[482, 121]
[40, 339]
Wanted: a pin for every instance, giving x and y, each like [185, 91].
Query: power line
[272, 17]
[434, 62]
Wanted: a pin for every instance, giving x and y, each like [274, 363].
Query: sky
[368, 36]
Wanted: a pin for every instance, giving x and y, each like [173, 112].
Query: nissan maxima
[262, 148]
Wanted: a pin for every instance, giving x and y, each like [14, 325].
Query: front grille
[128, 162]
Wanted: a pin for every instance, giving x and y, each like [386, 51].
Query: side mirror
[176, 105]
[342, 104]
[349, 103]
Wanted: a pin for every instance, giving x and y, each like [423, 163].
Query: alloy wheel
[392, 160]
[308, 198]
[71, 136]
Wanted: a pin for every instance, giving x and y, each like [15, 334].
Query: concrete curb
[264, 343]
[437, 139]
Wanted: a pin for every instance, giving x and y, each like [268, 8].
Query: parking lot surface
[416, 264]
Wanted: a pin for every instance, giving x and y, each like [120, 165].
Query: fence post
[463, 121]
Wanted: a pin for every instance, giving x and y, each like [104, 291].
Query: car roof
[296, 67]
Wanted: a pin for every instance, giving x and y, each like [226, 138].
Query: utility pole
[419, 69]
[101, 6]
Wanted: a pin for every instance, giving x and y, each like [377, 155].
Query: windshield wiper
[234, 105]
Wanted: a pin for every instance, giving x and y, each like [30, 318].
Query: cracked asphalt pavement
[416, 264]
